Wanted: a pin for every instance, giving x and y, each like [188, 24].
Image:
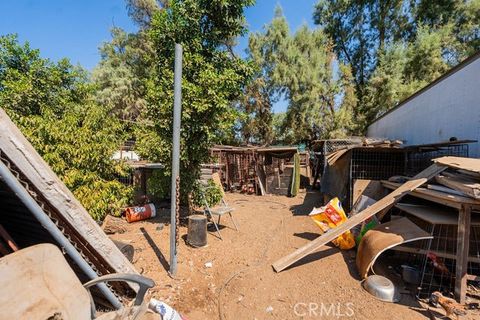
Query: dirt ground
[241, 283]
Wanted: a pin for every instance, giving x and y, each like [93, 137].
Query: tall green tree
[420, 39]
[361, 29]
[212, 81]
[302, 68]
[126, 63]
[52, 105]
[121, 73]
[256, 123]
[406, 67]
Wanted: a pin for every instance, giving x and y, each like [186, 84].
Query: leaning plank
[377, 207]
[467, 185]
[468, 164]
[16, 147]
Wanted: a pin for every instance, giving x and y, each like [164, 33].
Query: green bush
[51, 103]
[212, 193]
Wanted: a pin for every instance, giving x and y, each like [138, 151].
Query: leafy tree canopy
[395, 47]
[51, 104]
[213, 78]
[302, 68]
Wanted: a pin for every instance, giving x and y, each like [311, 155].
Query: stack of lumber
[464, 176]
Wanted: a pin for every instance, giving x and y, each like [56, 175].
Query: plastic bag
[330, 216]
[360, 230]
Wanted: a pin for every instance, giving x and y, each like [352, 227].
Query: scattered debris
[112, 225]
[331, 216]
[125, 248]
[165, 310]
[379, 207]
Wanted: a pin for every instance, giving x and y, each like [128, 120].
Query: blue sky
[75, 29]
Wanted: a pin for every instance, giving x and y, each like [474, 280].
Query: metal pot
[381, 288]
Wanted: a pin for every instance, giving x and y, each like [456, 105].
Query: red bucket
[140, 213]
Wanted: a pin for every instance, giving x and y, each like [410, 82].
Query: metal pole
[45, 221]
[177, 109]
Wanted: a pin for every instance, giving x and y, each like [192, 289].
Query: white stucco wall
[451, 108]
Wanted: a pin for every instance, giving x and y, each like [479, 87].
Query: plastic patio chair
[219, 210]
[38, 283]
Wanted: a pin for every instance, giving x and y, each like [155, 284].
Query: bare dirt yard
[241, 284]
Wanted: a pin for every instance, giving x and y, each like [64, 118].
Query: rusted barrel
[197, 230]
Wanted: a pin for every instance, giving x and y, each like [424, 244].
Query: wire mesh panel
[422, 157]
[323, 148]
[377, 163]
[439, 263]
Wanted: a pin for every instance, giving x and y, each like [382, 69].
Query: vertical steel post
[177, 110]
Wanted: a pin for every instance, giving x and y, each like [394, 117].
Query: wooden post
[463, 244]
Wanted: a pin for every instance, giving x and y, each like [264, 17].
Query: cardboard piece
[384, 237]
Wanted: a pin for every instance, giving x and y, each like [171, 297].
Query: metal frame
[23, 195]
[209, 212]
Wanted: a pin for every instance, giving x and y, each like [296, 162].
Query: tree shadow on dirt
[313, 198]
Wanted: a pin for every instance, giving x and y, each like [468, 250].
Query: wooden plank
[467, 185]
[471, 277]
[463, 245]
[359, 187]
[450, 200]
[440, 254]
[444, 189]
[438, 215]
[30, 163]
[469, 173]
[377, 207]
[469, 164]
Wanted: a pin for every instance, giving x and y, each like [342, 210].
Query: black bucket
[197, 230]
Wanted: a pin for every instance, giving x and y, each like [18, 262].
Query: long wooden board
[469, 164]
[377, 207]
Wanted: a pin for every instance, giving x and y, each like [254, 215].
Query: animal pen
[349, 163]
[271, 170]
